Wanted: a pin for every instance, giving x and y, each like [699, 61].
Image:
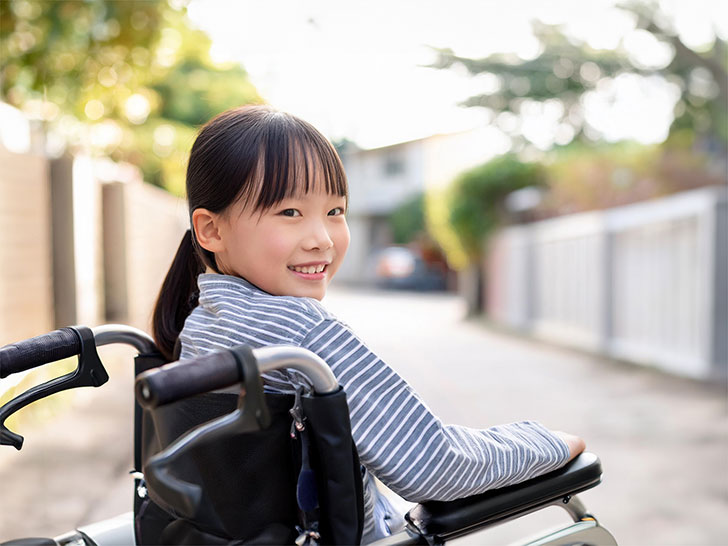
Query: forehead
[294, 170]
[297, 184]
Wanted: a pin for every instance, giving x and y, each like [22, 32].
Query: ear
[207, 230]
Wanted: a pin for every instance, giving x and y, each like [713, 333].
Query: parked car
[399, 267]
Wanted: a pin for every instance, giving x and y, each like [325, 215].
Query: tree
[131, 80]
[566, 70]
[67, 53]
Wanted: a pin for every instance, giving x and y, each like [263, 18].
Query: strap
[306, 492]
[142, 363]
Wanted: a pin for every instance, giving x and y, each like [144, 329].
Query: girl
[267, 196]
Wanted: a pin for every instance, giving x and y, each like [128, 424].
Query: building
[381, 179]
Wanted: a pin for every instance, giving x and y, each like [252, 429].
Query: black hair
[253, 154]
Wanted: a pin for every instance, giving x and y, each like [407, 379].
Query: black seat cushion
[447, 520]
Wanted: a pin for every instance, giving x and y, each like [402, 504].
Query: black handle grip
[178, 380]
[39, 350]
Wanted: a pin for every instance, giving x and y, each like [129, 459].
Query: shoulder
[228, 295]
[310, 307]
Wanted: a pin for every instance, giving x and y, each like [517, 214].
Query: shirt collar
[204, 279]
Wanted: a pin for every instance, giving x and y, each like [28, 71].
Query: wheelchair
[219, 461]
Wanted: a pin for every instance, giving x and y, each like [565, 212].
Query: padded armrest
[447, 520]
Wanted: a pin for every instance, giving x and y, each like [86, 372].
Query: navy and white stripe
[399, 440]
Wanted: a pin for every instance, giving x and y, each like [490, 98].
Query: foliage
[193, 93]
[582, 178]
[476, 201]
[408, 220]
[701, 75]
[566, 70]
[130, 79]
[437, 215]
[69, 52]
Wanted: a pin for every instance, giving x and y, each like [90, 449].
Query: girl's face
[293, 249]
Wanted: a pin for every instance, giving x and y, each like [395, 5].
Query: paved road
[663, 441]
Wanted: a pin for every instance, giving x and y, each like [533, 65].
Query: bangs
[293, 160]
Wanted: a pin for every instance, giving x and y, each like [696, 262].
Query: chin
[316, 295]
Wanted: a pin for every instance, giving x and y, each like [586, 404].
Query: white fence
[646, 282]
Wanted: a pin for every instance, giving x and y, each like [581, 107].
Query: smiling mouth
[308, 269]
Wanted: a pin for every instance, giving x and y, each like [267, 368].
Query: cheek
[258, 248]
[341, 239]
[277, 246]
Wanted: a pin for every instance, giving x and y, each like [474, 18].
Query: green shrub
[476, 199]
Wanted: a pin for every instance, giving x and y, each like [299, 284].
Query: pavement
[662, 440]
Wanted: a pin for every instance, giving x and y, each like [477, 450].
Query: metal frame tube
[276, 357]
[575, 508]
[121, 333]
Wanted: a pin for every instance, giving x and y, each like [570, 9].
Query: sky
[357, 70]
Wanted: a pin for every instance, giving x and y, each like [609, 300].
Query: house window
[393, 164]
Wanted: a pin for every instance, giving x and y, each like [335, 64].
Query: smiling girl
[267, 195]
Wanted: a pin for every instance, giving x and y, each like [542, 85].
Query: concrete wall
[76, 248]
[143, 226]
[26, 295]
[646, 282]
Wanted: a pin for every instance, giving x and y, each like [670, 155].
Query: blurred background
[544, 182]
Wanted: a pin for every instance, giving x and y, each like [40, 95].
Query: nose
[317, 236]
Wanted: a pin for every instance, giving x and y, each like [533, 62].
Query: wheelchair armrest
[447, 520]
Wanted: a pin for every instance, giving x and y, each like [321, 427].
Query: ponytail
[177, 297]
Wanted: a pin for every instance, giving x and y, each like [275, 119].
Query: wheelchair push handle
[182, 379]
[64, 343]
[223, 369]
[37, 351]
[67, 342]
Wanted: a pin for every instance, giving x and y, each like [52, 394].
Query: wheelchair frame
[426, 523]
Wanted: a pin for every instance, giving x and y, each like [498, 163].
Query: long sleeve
[409, 449]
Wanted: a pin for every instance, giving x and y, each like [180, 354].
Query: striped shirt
[398, 439]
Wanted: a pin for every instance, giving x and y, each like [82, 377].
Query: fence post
[114, 229]
[77, 251]
[719, 345]
[64, 266]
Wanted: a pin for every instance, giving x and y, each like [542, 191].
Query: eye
[290, 212]
[336, 211]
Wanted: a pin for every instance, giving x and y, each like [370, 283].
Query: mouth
[312, 271]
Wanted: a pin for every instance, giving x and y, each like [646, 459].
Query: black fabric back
[249, 481]
[149, 519]
[338, 471]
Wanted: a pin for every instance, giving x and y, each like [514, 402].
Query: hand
[576, 444]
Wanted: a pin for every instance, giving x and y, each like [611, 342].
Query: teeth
[309, 269]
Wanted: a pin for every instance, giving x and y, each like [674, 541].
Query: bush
[476, 199]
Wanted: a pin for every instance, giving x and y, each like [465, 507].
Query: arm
[409, 449]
